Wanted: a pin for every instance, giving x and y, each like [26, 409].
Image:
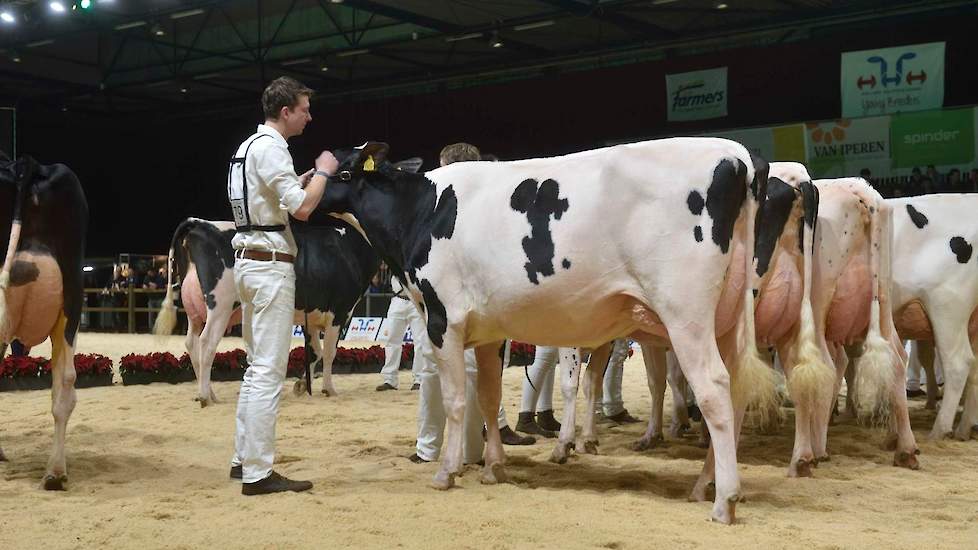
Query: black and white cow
[935, 295]
[333, 269]
[576, 250]
[41, 281]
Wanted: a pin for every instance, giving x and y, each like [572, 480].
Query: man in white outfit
[262, 186]
[612, 404]
[400, 314]
[536, 405]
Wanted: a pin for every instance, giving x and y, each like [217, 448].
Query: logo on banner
[933, 137]
[363, 328]
[891, 80]
[697, 95]
[829, 140]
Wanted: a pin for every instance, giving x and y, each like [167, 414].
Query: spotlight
[184, 90]
[15, 57]
[85, 4]
[88, 269]
[721, 6]
[495, 41]
[56, 6]
[157, 30]
[7, 17]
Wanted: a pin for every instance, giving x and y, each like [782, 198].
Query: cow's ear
[372, 154]
[411, 165]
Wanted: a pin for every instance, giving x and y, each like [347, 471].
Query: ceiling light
[7, 17]
[495, 41]
[660, 2]
[39, 43]
[188, 13]
[15, 57]
[85, 4]
[721, 6]
[537, 25]
[57, 7]
[132, 25]
[323, 67]
[184, 90]
[157, 30]
[88, 269]
[352, 52]
[469, 36]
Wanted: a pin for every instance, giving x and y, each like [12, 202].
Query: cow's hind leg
[655, 371]
[327, 354]
[700, 360]
[451, 366]
[570, 370]
[489, 384]
[596, 367]
[214, 329]
[62, 404]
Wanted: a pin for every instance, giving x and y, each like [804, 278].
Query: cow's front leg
[62, 404]
[451, 366]
[570, 369]
[489, 384]
[655, 372]
[906, 451]
[596, 366]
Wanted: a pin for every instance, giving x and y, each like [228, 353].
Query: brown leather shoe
[274, 483]
[510, 437]
[546, 420]
[236, 472]
[385, 387]
[528, 425]
[623, 418]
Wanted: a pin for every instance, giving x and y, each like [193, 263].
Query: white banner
[363, 328]
[385, 328]
[843, 147]
[697, 95]
[891, 80]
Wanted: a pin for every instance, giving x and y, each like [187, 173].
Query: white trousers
[538, 384]
[400, 314]
[612, 402]
[914, 368]
[267, 294]
[431, 414]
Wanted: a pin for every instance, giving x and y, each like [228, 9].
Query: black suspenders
[242, 217]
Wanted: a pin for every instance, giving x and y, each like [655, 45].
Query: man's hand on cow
[326, 162]
[304, 178]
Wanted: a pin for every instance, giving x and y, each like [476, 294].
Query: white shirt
[273, 190]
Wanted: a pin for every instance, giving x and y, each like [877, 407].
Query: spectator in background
[927, 185]
[385, 276]
[936, 178]
[866, 174]
[954, 181]
[916, 185]
[973, 186]
[376, 285]
[155, 279]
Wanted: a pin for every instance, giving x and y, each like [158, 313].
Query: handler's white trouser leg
[613, 403]
[431, 414]
[398, 317]
[540, 375]
[267, 294]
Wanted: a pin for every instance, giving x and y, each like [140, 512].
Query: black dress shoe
[385, 387]
[236, 472]
[546, 420]
[623, 418]
[510, 437]
[528, 425]
[916, 393]
[274, 483]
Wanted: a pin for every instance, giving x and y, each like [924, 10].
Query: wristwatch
[321, 173]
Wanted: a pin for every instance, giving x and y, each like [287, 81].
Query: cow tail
[14, 241]
[875, 375]
[812, 381]
[753, 383]
[167, 318]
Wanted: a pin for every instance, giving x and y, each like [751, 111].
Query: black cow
[333, 269]
[41, 280]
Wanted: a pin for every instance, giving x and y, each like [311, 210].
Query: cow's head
[364, 167]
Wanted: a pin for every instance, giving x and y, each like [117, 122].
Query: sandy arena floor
[148, 468]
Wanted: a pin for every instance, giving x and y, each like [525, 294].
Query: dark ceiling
[129, 56]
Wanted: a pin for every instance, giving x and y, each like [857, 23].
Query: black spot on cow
[961, 248]
[698, 234]
[770, 220]
[211, 251]
[724, 198]
[758, 186]
[565, 264]
[22, 273]
[755, 292]
[437, 317]
[539, 203]
[695, 202]
[438, 222]
[809, 194]
[917, 217]
[443, 222]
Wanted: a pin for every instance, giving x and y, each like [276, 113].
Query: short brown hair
[457, 152]
[282, 92]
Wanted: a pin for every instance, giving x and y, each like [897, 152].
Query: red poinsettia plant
[24, 367]
[156, 363]
[520, 353]
[231, 361]
[92, 364]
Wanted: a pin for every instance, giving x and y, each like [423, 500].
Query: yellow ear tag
[368, 165]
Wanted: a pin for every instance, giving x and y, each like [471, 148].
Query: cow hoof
[203, 402]
[930, 406]
[904, 459]
[443, 481]
[700, 492]
[646, 443]
[299, 387]
[725, 511]
[329, 392]
[591, 446]
[54, 483]
[561, 452]
[823, 458]
[802, 468]
[678, 430]
[493, 474]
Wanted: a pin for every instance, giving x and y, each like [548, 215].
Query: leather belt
[398, 296]
[263, 256]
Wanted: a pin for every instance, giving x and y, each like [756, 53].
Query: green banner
[933, 137]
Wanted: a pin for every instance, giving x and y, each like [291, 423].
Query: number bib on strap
[239, 197]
